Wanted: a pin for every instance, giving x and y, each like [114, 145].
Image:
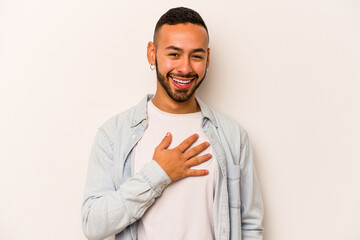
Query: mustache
[189, 75]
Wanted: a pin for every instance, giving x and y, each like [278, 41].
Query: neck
[165, 103]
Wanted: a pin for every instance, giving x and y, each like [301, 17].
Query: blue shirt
[114, 199]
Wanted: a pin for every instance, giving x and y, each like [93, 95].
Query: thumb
[165, 143]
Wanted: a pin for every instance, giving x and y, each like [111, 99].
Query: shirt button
[133, 137]
[144, 121]
[163, 186]
[134, 122]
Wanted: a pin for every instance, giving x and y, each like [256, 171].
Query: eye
[173, 54]
[197, 57]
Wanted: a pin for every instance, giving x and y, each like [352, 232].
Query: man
[199, 182]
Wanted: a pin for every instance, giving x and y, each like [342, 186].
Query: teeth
[181, 81]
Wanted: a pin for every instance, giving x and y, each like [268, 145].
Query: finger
[187, 142]
[165, 143]
[197, 172]
[198, 160]
[196, 150]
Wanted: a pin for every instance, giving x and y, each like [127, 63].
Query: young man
[171, 167]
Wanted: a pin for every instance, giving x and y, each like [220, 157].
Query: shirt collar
[140, 113]
[206, 112]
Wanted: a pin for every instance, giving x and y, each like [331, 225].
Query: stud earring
[152, 67]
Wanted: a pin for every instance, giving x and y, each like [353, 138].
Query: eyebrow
[181, 50]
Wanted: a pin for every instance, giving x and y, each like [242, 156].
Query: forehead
[186, 35]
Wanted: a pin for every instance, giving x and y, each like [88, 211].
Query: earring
[152, 67]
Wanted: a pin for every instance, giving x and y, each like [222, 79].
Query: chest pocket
[233, 181]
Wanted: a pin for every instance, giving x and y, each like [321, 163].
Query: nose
[185, 66]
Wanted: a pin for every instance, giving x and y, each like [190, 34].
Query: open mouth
[182, 83]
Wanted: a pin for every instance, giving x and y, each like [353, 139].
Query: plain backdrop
[287, 71]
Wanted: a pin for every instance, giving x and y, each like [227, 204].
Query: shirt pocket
[233, 181]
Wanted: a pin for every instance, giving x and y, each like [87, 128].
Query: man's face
[181, 59]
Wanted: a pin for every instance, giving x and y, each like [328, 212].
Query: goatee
[178, 95]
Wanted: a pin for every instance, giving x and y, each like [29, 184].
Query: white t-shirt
[184, 210]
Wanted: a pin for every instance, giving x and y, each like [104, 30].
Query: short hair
[179, 15]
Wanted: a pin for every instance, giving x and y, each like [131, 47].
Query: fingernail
[167, 134]
[209, 155]
[207, 144]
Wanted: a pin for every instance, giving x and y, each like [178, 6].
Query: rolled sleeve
[156, 177]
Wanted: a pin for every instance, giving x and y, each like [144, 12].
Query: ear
[151, 53]
[208, 58]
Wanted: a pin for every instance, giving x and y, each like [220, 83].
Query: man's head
[180, 53]
[177, 16]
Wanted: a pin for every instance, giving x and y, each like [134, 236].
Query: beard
[178, 95]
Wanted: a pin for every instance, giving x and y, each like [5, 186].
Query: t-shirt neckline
[177, 115]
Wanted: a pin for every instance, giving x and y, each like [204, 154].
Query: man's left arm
[251, 201]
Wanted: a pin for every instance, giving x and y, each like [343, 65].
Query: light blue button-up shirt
[115, 199]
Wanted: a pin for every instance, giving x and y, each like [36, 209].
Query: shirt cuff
[156, 176]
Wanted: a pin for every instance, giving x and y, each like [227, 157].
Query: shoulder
[232, 130]
[117, 124]
[223, 123]
[122, 123]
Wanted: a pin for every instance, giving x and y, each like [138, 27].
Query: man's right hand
[176, 162]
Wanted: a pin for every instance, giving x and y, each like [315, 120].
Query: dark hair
[179, 15]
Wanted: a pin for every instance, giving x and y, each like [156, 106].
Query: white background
[288, 71]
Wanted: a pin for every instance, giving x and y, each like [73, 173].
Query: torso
[185, 208]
